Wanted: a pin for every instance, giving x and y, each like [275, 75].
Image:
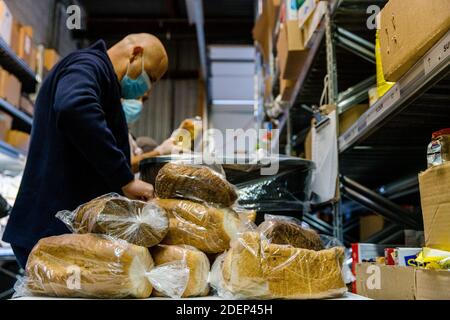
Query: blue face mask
[132, 109]
[135, 88]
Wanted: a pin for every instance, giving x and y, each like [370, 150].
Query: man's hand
[138, 190]
[169, 147]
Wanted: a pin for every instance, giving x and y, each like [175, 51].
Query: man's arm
[81, 119]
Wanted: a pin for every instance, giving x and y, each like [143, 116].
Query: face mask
[135, 88]
[132, 109]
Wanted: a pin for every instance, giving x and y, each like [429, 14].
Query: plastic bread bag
[194, 182]
[206, 227]
[254, 268]
[141, 223]
[290, 231]
[196, 261]
[97, 266]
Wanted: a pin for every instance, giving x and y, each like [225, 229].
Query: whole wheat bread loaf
[281, 231]
[138, 222]
[198, 183]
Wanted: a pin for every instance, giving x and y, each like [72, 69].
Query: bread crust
[255, 268]
[196, 261]
[107, 268]
[198, 183]
[204, 227]
[140, 223]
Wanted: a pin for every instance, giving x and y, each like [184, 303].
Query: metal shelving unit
[430, 69]
[15, 65]
[24, 121]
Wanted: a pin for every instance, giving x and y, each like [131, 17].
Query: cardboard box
[19, 140]
[5, 124]
[434, 186]
[13, 89]
[406, 36]
[6, 22]
[291, 52]
[10, 87]
[305, 11]
[25, 44]
[51, 57]
[273, 7]
[286, 89]
[350, 116]
[26, 105]
[15, 36]
[369, 225]
[312, 24]
[382, 282]
[404, 255]
[432, 284]
[262, 35]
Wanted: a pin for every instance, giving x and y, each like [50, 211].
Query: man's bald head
[132, 49]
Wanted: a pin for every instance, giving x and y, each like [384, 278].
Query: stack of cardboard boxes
[298, 24]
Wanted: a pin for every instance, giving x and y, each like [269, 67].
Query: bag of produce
[255, 268]
[194, 182]
[97, 266]
[196, 261]
[205, 227]
[141, 223]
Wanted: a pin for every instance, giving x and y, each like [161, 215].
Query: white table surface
[347, 296]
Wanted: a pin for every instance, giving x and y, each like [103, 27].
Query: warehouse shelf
[15, 65]
[431, 68]
[24, 120]
[9, 150]
[312, 54]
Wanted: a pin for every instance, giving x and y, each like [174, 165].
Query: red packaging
[389, 256]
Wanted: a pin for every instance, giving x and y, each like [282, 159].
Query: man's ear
[137, 52]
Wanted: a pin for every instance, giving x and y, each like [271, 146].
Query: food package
[254, 268]
[97, 266]
[202, 226]
[196, 261]
[143, 224]
[194, 182]
[436, 259]
[288, 231]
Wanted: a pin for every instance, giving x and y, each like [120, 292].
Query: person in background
[79, 146]
[133, 109]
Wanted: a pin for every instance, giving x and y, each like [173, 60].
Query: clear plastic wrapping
[141, 223]
[196, 261]
[290, 231]
[203, 226]
[255, 268]
[97, 266]
[195, 182]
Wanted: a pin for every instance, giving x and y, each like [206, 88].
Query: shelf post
[333, 95]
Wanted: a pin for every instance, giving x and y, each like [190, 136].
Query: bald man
[79, 146]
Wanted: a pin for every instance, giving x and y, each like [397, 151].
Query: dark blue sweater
[79, 145]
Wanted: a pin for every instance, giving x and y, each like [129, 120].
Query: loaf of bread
[196, 261]
[143, 224]
[283, 231]
[204, 227]
[254, 268]
[198, 183]
[89, 266]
